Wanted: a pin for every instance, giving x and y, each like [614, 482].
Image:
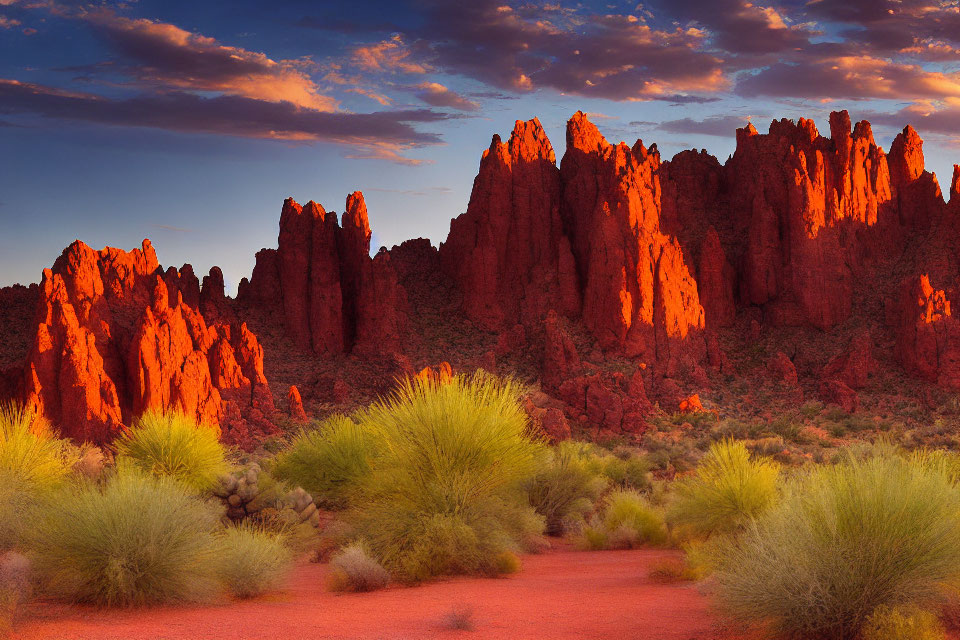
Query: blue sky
[190, 122]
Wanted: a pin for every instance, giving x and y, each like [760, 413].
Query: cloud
[8, 23]
[851, 77]
[723, 126]
[163, 54]
[373, 95]
[943, 118]
[529, 47]
[390, 55]
[226, 115]
[437, 95]
[739, 26]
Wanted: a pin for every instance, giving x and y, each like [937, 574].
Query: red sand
[561, 594]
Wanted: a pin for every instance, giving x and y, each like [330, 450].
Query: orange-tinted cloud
[163, 54]
[389, 55]
[226, 115]
[851, 77]
[437, 95]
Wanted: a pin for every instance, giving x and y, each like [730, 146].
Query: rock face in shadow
[508, 252]
[334, 297]
[109, 344]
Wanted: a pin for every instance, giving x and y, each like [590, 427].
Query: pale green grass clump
[845, 540]
[904, 623]
[29, 451]
[565, 486]
[445, 492]
[727, 491]
[173, 444]
[354, 569]
[137, 540]
[328, 462]
[253, 560]
[627, 522]
[32, 463]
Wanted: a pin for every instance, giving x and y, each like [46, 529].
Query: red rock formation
[838, 393]
[560, 358]
[855, 365]
[638, 293]
[928, 335]
[333, 296]
[441, 374]
[508, 252]
[805, 197]
[109, 345]
[782, 369]
[295, 404]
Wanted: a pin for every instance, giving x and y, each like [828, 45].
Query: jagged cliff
[615, 279]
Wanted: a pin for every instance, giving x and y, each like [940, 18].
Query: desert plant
[14, 588]
[727, 490]
[904, 623]
[444, 495]
[626, 522]
[173, 444]
[29, 451]
[253, 560]
[668, 570]
[564, 486]
[354, 569]
[459, 618]
[329, 461]
[628, 510]
[846, 539]
[138, 539]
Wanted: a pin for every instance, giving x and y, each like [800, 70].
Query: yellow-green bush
[173, 444]
[627, 521]
[32, 463]
[845, 540]
[30, 452]
[445, 492]
[354, 569]
[727, 490]
[136, 540]
[903, 623]
[565, 486]
[252, 560]
[329, 462]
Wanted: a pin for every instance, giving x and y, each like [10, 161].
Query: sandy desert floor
[560, 594]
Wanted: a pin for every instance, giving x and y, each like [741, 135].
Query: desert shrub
[845, 540]
[459, 618]
[727, 490]
[628, 509]
[253, 560]
[354, 569]
[173, 444]
[444, 494]
[669, 570]
[564, 487]
[506, 562]
[14, 588]
[138, 539]
[626, 522]
[903, 623]
[938, 461]
[328, 461]
[30, 453]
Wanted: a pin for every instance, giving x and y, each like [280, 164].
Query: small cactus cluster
[253, 492]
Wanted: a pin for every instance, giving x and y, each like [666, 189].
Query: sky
[189, 121]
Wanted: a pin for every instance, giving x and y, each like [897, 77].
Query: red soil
[561, 594]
